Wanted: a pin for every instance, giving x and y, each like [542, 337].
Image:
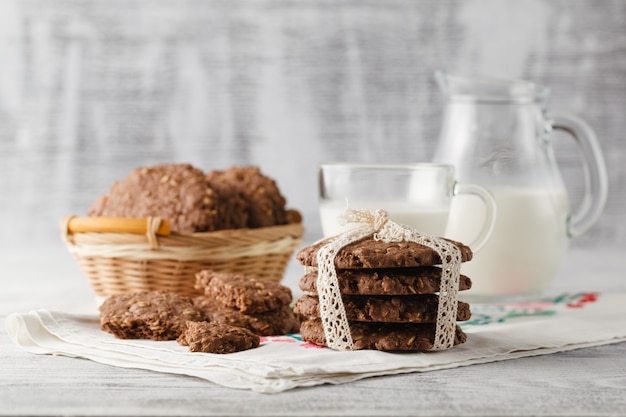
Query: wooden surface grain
[587, 382]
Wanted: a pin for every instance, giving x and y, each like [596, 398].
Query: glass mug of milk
[418, 195]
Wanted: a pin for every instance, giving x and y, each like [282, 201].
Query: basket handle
[75, 224]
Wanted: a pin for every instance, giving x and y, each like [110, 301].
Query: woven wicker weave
[122, 262]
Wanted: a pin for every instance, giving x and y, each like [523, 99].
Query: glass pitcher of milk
[497, 134]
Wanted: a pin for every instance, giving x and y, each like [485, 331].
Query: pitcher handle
[594, 170]
[490, 213]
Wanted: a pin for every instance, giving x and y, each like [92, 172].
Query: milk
[429, 220]
[528, 242]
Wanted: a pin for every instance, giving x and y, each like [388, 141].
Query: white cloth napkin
[495, 333]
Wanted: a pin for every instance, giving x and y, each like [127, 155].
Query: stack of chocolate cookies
[239, 300]
[389, 291]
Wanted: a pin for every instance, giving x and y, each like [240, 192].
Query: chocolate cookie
[234, 209]
[247, 293]
[212, 337]
[266, 203]
[385, 308]
[156, 315]
[382, 336]
[369, 253]
[179, 193]
[275, 322]
[392, 281]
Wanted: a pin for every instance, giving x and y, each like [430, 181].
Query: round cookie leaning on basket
[162, 224]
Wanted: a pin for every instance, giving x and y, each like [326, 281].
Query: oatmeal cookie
[392, 281]
[382, 336]
[247, 293]
[385, 308]
[212, 337]
[266, 205]
[280, 321]
[179, 193]
[156, 315]
[370, 253]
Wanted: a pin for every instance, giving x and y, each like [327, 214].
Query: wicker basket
[127, 255]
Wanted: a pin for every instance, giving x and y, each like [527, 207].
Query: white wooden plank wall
[90, 89]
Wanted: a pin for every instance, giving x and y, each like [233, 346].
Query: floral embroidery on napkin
[484, 314]
[290, 338]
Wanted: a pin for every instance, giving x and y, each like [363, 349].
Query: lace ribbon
[378, 225]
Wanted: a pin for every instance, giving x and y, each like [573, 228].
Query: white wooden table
[588, 381]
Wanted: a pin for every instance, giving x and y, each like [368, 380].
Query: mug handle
[594, 169]
[490, 214]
